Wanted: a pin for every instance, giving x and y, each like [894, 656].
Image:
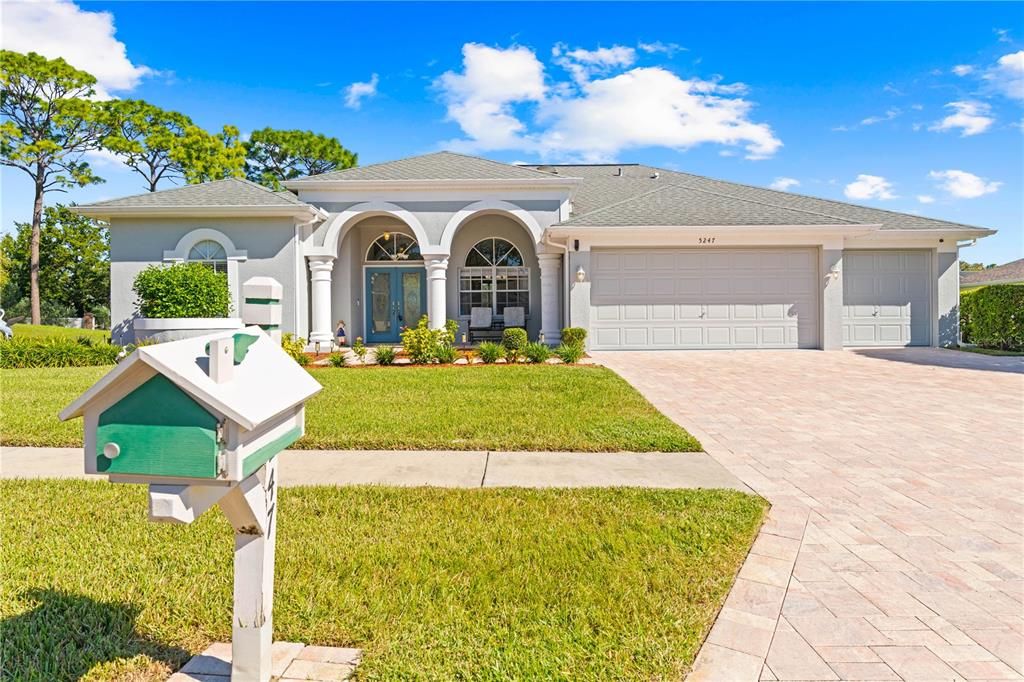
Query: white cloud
[963, 185]
[593, 117]
[783, 184]
[962, 69]
[59, 28]
[668, 49]
[869, 187]
[889, 115]
[583, 64]
[1003, 35]
[926, 198]
[1007, 76]
[892, 89]
[971, 118]
[358, 91]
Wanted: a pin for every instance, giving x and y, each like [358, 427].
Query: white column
[550, 283]
[320, 268]
[831, 314]
[437, 289]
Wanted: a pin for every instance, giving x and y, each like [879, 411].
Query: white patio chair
[514, 316]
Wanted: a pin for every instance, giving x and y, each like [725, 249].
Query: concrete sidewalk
[448, 469]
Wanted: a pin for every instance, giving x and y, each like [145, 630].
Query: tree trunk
[37, 221]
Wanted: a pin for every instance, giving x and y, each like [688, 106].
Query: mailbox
[201, 421]
[210, 408]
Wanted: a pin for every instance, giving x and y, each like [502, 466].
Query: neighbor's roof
[436, 166]
[265, 383]
[227, 194]
[603, 186]
[670, 205]
[1008, 273]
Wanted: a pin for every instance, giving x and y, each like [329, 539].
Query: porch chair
[514, 317]
[483, 326]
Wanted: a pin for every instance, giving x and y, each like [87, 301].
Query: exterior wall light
[833, 272]
[580, 274]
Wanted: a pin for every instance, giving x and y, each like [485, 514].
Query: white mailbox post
[201, 421]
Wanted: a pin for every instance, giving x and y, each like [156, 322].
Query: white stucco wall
[138, 243]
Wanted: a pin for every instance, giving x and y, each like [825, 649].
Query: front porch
[378, 271]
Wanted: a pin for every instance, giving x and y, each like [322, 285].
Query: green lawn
[44, 331]
[542, 407]
[433, 584]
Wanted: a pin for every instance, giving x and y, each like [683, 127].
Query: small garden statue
[339, 334]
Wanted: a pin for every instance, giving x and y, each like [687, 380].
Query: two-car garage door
[714, 298]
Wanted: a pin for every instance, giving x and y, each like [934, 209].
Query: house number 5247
[705, 240]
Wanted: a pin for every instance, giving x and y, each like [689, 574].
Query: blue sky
[913, 107]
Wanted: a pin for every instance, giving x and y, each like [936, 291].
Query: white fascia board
[430, 185]
[107, 212]
[941, 233]
[731, 233]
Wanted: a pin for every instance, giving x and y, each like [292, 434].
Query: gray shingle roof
[231, 192]
[671, 205]
[1007, 273]
[436, 166]
[603, 186]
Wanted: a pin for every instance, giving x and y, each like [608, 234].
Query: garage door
[886, 298]
[720, 298]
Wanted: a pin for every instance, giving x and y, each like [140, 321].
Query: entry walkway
[455, 469]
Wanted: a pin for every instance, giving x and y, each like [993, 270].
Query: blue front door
[395, 298]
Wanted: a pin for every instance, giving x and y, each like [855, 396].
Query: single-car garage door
[886, 298]
[703, 298]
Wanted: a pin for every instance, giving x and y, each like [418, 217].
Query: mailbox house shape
[205, 409]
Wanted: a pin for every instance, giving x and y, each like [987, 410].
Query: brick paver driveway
[894, 546]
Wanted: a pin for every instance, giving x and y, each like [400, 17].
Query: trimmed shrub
[295, 347]
[514, 340]
[56, 352]
[569, 353]
[537, 352]
[423, 344]
[182, 290]
[993, 317]
[574, 336]
[385, 355]
[489, 352]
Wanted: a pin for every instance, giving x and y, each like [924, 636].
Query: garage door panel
[727, 298]
[887, 298]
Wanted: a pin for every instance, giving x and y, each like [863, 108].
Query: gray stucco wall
[138, 243]
[948, 297]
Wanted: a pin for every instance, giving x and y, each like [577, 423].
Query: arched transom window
[209, 253]
[396, 248]
[494, 277]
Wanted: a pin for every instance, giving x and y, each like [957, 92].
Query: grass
[989, 351]
[543, 407]
[44, 331]
[433, 584]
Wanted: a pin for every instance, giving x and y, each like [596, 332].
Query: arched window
[209, 253]
[494, 277]
[396, 248]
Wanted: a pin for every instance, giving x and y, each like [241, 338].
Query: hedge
[182, 290]
[993, 317]
[56, 352]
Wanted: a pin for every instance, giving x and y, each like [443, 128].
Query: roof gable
[437, 166]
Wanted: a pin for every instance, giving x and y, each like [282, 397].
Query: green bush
[423, 344]
[295, 347]
[446, 354]
[537, 352]
[574, 336]
[489, 352]
[993, 317]
[359, 349]
[337, 359]
[569, 353]
[514, 340]
[56, 352]
[385, 355]
[182, 290]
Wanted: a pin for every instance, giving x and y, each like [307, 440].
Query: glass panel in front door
[380, 302]
[412, 300]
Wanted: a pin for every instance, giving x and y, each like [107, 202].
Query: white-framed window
[392, 247]
[211, 254]
[494, 276]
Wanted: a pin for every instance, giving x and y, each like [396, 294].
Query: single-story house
[642, 257]
[1007, 273]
